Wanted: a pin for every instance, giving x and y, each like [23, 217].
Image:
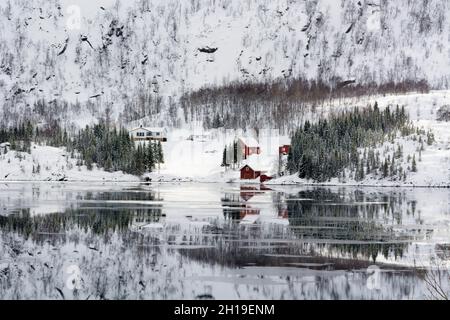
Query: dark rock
[60, 292]
[19, 91]
[350, 28]
[64, 48]
[85, 39]
[305, 27]
[119, 32]
[207, 50]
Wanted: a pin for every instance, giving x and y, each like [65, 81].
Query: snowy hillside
[132, 59]
[200, 159]
[433, 165]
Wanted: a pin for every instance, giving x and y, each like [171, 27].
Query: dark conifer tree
[414, 164]
[224, 158]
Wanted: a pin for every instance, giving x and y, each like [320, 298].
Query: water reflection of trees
[324, 224]
[273, 246]
[361, 222]
[93, 213]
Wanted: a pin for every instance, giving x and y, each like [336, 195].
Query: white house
[4, 147]
[148, 134]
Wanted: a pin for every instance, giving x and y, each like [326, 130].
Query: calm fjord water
[222, 241]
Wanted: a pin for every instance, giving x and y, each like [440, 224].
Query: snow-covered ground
[201, 159]
[51, 164]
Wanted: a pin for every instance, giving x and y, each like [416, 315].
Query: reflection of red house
[248, 211]
[248, 146]
[247, 192]
[264, 188]
[284, 149]
[283, 213]
[247, 173]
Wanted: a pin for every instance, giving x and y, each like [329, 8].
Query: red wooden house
[284, 149]
[248, 173]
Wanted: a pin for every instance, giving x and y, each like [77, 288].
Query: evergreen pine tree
[393, 169]
[235, 154]
[361, 171]
[160, 153]
[149, 158]
[224, 157]
[414, 164]
[385, 168]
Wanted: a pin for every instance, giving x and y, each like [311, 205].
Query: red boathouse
[247, 173]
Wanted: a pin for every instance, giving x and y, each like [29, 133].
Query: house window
[149, 134]
[247, 169]
[140, 134]
[157, 133]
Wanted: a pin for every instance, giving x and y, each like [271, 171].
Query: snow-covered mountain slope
[128, 60]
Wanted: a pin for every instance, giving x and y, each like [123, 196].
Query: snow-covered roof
[257, 163]
[249, 142]
[151, 129]
[5, 144]
[284, 140]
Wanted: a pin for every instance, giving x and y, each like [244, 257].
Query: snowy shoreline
[238, 182]
[198, 161]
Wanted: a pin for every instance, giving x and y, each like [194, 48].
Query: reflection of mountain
[234, 256]
[99, 213]
[272, 246]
